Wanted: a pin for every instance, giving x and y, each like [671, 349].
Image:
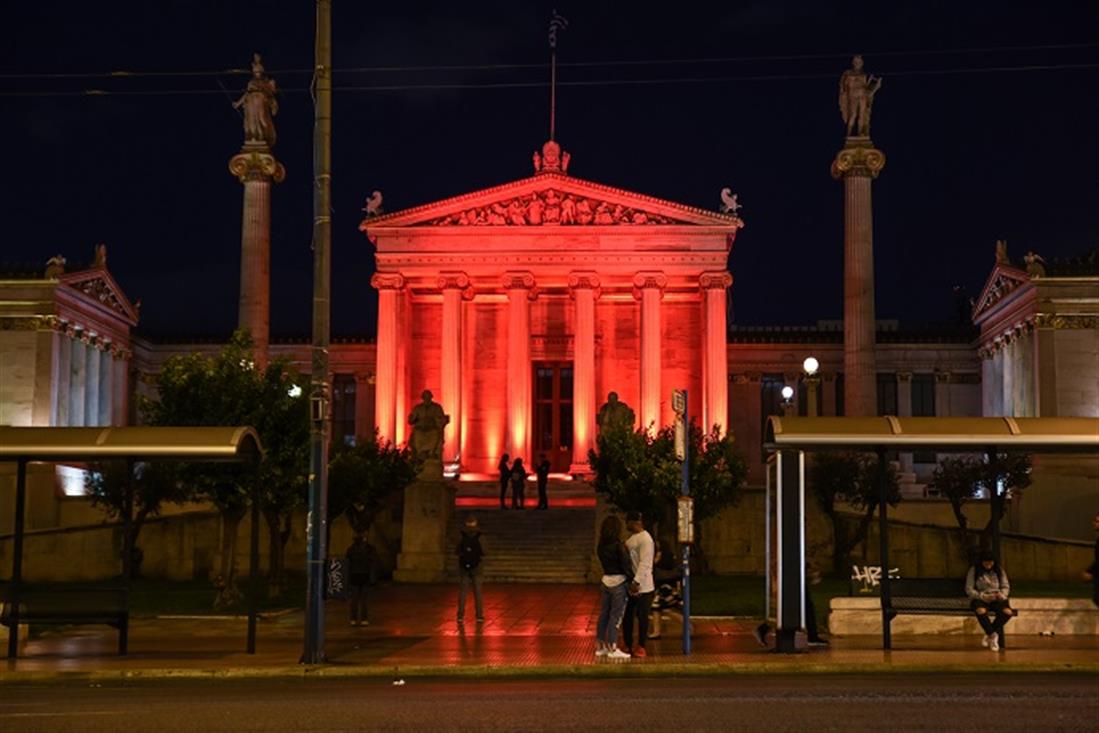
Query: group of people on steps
[513, 476]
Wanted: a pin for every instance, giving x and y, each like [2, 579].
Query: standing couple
[626, 587]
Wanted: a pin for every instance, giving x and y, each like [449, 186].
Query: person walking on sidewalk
[542, 471]
[360, 560]
[640, 545]
[470, 554]
[518, 484]
[987, 586]
[505, 479]
[613, 587]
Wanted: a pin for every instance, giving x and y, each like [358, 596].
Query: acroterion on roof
[79, 444]
[945, 434]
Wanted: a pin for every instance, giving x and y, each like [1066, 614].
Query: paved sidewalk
[529, 630]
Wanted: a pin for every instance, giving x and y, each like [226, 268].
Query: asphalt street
[1002, 702]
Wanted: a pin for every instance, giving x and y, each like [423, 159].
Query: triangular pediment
[96, 284]
[1004, 279]
[552, 199]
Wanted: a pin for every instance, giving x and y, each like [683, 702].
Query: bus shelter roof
[85, 444]
[942, 434]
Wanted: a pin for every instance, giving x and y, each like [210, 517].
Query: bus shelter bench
[939, 596]
[69, 605]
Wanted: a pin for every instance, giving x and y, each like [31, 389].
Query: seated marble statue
[615, 414]
[427, 421]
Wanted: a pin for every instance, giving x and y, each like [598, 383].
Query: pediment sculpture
[551, 207]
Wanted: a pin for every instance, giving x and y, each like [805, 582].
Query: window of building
[840, 396]
[923, 405]
[343, 409]
[887, 394]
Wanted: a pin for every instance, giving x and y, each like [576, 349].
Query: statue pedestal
[424, 553]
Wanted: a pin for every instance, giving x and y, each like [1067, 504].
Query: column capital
[943, 377]
[861, 160]
[256, 165]
[653, 280]
[904, 376]
[455, 281]
[387, 281]
[719, 280]
[520, 280]
[584, 280]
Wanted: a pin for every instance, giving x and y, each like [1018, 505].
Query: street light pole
[317, 523]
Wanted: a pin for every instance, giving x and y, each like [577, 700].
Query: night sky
[973, 156]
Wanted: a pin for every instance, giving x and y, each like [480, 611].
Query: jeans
[612, 606]
[637, 607]
[992, 607]
[356, 595]
[466, 578]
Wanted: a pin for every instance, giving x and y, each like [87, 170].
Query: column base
[791, 641]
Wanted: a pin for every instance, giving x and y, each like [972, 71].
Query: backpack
[469, 551]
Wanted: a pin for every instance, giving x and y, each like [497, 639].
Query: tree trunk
[136, 555]
[963, 529]
[228, 595]
[276, 552]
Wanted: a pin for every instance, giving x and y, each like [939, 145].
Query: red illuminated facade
[523, 305]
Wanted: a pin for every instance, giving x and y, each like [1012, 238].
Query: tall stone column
[121, 367]
[78, 365]
[857, 165]
[1007, 381]
[715, 359]
[389, 285]
[584, 289]
[106, 386]
[256, 167]
[64, 375]
[904, 409]
[91, 382]
[649, 289]
[520, 290]
[454, 286]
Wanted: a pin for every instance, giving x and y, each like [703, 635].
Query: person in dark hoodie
[505, 479]
[360, 559]
[518, 484]
[613, 587]
[470, 554]
[988, 588]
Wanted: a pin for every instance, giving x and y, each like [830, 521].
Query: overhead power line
[543, 84]
[122, 74]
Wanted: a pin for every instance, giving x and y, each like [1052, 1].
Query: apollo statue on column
[260, 106]
[857, 90]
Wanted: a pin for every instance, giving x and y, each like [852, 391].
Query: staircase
[529, 546]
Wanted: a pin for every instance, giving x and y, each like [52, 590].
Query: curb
[593, 671]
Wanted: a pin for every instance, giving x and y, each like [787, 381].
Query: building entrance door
[553, 414]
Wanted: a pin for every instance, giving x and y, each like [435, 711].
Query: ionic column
[904, 409]
[454, 286]
[520, 290]
[77, 381]
[91, 383]
[106, 385]
[120, 367]
[1007, 381]
[715, 359]
[389, 285]
[649, 289]
[1045, 369]
[858, 164]
[256, 167]
[942, 394]
[64, 375]
[584, 289]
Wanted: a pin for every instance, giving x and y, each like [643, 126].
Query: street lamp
[812, 380]
[787, 393]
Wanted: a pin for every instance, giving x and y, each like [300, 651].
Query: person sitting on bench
[987, 586]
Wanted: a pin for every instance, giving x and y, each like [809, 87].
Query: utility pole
[317, 523]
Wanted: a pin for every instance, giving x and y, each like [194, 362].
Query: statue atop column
[615, 414]
[427, 421]
[857, 90]
[260, 106]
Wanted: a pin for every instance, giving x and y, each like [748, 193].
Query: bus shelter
[132, 444]
[788, 439]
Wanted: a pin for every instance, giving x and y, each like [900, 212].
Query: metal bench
[63, 605]
[940, 596]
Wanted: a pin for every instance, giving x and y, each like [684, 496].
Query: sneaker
[818, 642]
[617, 654]
[639, 652]
[984, 640]
[994, 642]
[602, 651]
[364, 622]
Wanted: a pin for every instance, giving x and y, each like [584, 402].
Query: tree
[227, 389]
[154, 485]
[961, 479]
[854, 478]
[363, 476]
[637, 471]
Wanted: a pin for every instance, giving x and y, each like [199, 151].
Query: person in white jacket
[641, 547]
